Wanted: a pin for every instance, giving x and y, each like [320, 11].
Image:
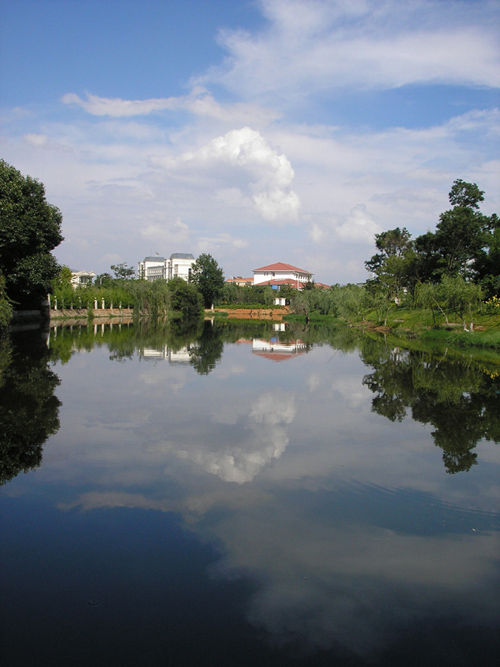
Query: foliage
[492, 305]
[352, 301]
[122, 271]
[104, 280]
[466, 243]
[462, 297]
[30, 229]
[184, 299]
[391, 266]
[453, 294]
[246, 295]
[5, 305]
[208, 278]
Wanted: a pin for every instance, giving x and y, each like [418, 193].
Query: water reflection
[335, 535]
[458, 398]
[29, 410]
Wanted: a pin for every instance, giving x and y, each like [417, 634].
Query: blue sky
[262, 131]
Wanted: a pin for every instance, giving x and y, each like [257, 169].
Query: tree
[122, 271]
[30, 228]
[5, 305]
[208, 278]
[185, 301]
[392, 266]
[104, 280]
[462, 297]
[460, 244]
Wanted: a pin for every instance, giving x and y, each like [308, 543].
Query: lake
[239, 494]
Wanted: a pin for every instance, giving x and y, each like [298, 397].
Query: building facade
[280, 274]
[178, 265]
[83, 278]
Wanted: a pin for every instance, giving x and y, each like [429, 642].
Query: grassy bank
[405, 325]
[422, 323]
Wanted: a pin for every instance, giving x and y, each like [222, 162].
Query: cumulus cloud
[244, 155]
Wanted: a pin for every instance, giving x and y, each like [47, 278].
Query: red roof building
[281, 274]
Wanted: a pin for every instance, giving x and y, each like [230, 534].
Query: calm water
[233, 495]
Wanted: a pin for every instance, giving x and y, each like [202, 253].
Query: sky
[257, 131]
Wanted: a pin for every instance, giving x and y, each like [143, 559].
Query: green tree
[392, 266]
[462, 240]
[208, 278]
[185, 301]
[5, 305]
[462, 297]
[104, 280]
[30, 228]
[122, 271]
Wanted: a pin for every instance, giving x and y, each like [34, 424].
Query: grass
[435, 330]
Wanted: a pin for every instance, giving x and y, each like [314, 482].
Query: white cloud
[167, 234]
[359, 226]
[36, 139]
[123, 174]
[245, 156]
[378, 44]
[199, 103]
[208, 243]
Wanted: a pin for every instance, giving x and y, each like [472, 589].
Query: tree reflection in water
[458, 397]
[29, 410]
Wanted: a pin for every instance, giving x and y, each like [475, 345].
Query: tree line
[30, 229]
[178, 298]
[455, 268]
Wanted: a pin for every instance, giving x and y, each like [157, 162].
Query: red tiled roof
[280, 266]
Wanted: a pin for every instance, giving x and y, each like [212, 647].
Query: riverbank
[414, 325]
[422, 324]
[264, 313]
[96, 314]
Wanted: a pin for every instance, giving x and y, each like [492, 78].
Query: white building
[83, 278]
[151, 268]
[178, 265]
[280, 274]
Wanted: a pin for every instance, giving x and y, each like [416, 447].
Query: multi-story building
[151, 268]
[82, 278]
[280, 274]
[178, 265]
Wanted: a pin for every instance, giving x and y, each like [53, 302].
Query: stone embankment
[276, 314]
[97, 313]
